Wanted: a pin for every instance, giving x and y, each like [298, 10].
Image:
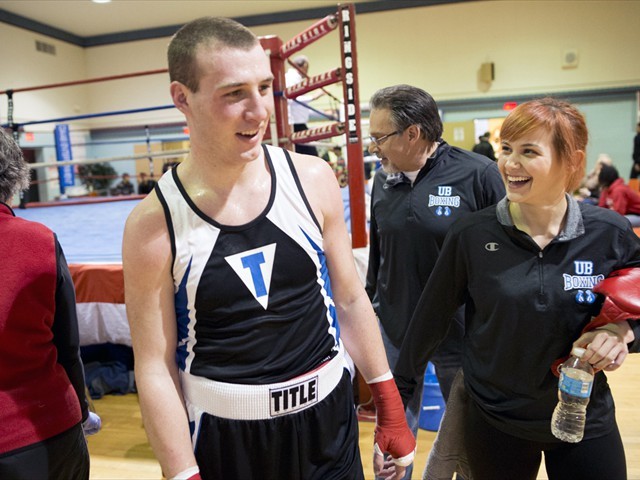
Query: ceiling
[83, 20]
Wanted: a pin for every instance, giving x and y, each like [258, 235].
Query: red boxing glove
[195, 477]
[621, 290]
[392, 434]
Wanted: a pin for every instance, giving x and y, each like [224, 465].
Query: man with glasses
[424, 186]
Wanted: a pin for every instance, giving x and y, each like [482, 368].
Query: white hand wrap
[186, 474]
[402, 461]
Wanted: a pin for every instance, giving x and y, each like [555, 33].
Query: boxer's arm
[358, 325]
[149, 297]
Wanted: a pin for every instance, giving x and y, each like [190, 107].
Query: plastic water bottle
[574, 389]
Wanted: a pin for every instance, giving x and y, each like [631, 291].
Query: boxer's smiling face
[230, 111]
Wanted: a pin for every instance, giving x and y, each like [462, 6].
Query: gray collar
[574, 226]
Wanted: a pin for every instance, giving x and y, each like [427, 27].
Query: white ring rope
[167, 153]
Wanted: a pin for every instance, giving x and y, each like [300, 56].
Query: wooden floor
[121, 450]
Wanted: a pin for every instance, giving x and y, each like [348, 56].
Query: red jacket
[37, 399]
[621, 198]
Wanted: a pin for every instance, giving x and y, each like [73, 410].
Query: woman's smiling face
[530, 170]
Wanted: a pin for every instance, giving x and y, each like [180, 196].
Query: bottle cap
[578, 351]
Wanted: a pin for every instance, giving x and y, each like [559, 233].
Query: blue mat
[92, 232]
[88, 233]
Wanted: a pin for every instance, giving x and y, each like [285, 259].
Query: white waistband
[259, 402]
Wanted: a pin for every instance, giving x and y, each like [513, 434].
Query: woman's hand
[606, 347]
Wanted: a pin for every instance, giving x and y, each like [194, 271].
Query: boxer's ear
[180, 95]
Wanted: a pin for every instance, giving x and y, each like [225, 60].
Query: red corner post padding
[99, 283]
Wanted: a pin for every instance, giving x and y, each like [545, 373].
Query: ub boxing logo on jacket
[444, 201]
[582, 281]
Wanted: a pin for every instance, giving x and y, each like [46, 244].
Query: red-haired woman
[526, 269]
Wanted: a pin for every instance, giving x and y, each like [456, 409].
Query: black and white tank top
[253, 302]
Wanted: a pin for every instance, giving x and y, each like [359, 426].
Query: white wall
[23, 66]
[134, 93]
[439, 48]
[442, 47]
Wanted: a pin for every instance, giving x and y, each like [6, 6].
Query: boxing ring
[91, 237]
[279, 133]
[350, 126]
[90, 229]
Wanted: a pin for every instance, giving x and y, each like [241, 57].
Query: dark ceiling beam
[37, 27]
[249, 21]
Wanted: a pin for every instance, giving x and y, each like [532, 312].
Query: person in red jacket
[618, 196]
[43, 407]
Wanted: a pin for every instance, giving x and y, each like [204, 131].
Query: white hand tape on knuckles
[406, 460]
[402, 461]
[186, 474]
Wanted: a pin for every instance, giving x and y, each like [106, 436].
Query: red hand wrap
[392, 433]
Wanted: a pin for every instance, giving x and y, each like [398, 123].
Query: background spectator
[617, 196]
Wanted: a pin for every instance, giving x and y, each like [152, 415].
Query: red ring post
[273, 45]
[319, 133]
[308, 36]
[355, 157]
[313, 83]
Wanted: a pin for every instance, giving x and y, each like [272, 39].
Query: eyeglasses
[378, 141]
